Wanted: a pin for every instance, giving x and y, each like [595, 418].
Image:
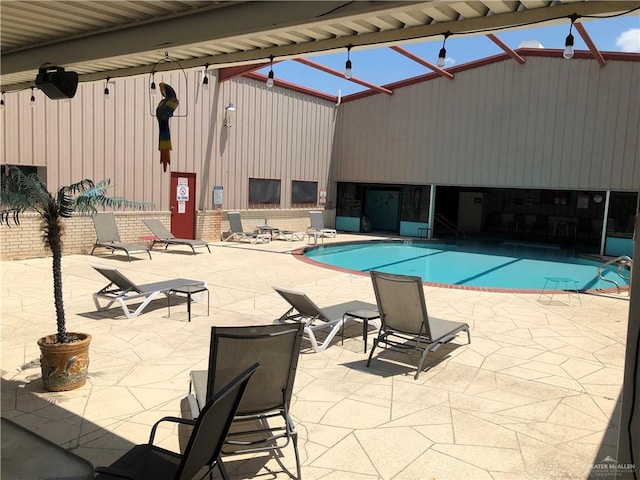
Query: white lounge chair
[317, 225]
[314, 318]
[120, 289]
[236, 232]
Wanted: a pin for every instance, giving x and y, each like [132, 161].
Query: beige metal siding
[550, 123]
[276, 133]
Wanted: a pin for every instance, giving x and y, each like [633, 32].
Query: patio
[534, 396]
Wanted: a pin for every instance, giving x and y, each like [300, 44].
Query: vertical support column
[603, 234]
[629, 434]
[432, 210]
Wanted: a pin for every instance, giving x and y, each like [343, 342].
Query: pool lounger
[289, 235]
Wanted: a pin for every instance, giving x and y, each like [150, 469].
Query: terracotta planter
[64, 365]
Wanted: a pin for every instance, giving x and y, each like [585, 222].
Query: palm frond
[86, 201]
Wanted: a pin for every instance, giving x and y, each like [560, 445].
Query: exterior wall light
[229, 112]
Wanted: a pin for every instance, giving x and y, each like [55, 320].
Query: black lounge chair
[163, 235]
[109, 237]
[150, 462]
[405, 323]
[262, 422]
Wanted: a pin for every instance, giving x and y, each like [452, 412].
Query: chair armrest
[183, 421]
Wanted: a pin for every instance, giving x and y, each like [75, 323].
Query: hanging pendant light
[270, 76]
[442, 55]
[568, 43]
[347, 66]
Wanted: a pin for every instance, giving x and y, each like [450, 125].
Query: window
[264, 191]
[304, 192]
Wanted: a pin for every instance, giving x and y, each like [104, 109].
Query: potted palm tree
[64, 355]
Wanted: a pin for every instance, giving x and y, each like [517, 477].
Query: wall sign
[218, 194]
[182, 193]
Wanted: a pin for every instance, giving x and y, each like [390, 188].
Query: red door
[183, 205]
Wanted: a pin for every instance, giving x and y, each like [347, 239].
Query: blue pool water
[501, 266]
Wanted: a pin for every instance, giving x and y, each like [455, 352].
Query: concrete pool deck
[534, 396]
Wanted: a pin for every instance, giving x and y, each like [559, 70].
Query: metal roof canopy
[100, 39]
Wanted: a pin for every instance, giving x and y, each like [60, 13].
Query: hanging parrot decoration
[164, 112]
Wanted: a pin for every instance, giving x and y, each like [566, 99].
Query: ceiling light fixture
[270, 76]
[153, 83]
[568, 43]
[443, 51]
[229, 111]
[347, 66]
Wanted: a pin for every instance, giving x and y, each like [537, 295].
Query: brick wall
[25, 240]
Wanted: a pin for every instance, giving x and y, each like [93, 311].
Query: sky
[381, 66]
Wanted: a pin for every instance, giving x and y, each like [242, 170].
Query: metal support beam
[592, 46]
[506, 48]
[331, 71]
[422, 62]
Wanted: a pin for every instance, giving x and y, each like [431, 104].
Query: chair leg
[223, 470]
[424, 355]
[294, 437]
[375, 344]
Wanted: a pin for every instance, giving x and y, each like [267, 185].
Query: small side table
[273, 232]
[363, 314]
[570, 286]
[189, 290]
[315, 234]
[151, 240]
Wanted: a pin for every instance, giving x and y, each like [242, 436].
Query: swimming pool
[495, 266]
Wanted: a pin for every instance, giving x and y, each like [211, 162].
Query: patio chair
[236, 232]
[317, 225]
[108, 236]
[405, 323]
[276, 348]
[163, 235]
[120, 289]
[150, 462]
[315, 319]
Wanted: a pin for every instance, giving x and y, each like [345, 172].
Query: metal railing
[452, 227]
[623, 263]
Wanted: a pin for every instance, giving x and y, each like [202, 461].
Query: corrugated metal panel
[550, 123]
[276, 133]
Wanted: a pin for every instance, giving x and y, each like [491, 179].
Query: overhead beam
[202, 27]
[422, 62]
[506, 48]
[592, 46]
[331, 71]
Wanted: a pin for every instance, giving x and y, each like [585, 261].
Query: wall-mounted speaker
[56, 83]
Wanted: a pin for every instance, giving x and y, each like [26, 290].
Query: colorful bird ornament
[164, 112]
